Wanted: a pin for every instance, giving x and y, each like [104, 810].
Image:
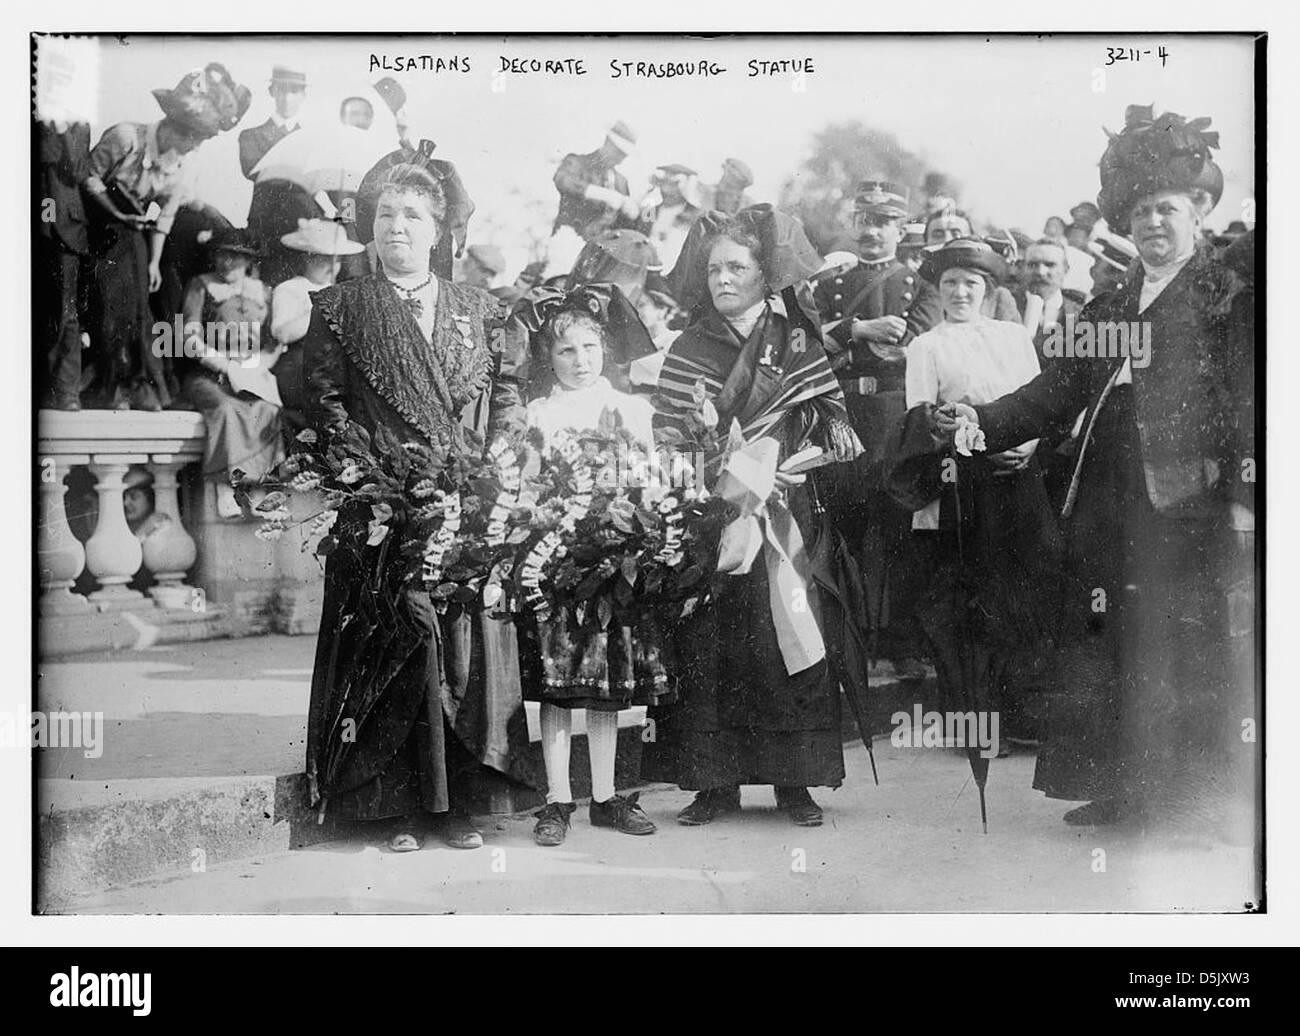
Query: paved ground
[216, 708]
[912, 844]
[225, 708]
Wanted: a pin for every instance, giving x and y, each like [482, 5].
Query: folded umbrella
[333, 158]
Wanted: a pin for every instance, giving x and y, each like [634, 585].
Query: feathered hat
[206, 101]
[1156, 154]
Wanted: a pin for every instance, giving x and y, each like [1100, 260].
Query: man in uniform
[870, 314]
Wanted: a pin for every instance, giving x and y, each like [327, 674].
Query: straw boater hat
[1113, 250]
[288, 76]
[1152, 154]
[321, 237]
[913, 235]
[968, 253]
[622, 136]
[205, 101]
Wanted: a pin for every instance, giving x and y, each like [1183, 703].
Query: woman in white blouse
[322, 244]
[969, 357]
[989, 544]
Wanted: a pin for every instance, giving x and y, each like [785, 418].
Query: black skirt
[740, 718]
[581, 666]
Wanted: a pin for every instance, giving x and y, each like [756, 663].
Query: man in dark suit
[288, 89]
[1048, 310]
[277, 205]
[1156, 666]
[594, 197]
[870, 314]
[63, 157]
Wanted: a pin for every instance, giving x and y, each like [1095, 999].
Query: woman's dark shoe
[622, 814]
[708, 805]
[403, 842]
[457, 830]
[1095, 814]
[552, 823]
[799, 806]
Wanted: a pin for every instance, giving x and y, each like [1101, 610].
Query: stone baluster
[170, 551]
[60, 555]
[113, 554]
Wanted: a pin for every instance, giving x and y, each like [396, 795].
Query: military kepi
[881, 198]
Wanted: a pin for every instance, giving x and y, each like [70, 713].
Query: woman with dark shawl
[756, 670]
[408, 704]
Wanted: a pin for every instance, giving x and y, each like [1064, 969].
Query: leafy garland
[586, 522]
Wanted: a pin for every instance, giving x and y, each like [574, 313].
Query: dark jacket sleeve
[1056, 395]
[250, 151]
[571, 177]
[1237, 400]
[508, 342]
[324, 370]
[925, 312]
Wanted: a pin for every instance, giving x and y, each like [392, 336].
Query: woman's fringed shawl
[428, 383]
[778, 382]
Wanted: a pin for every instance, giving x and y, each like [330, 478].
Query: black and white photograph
[646, 474]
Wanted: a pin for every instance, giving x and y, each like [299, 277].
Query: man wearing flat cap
[481, 266]
[1156, 664]
[729, 193]
[870, 314]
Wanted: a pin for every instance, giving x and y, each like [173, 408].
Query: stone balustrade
[198, 560]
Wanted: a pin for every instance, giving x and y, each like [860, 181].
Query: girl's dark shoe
[799, 806]
[1095, 814]
[622, 814]
[708, 805]
[552, 823]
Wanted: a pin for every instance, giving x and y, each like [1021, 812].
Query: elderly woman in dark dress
[408, 704]
[747, 711]
[1145, 723]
